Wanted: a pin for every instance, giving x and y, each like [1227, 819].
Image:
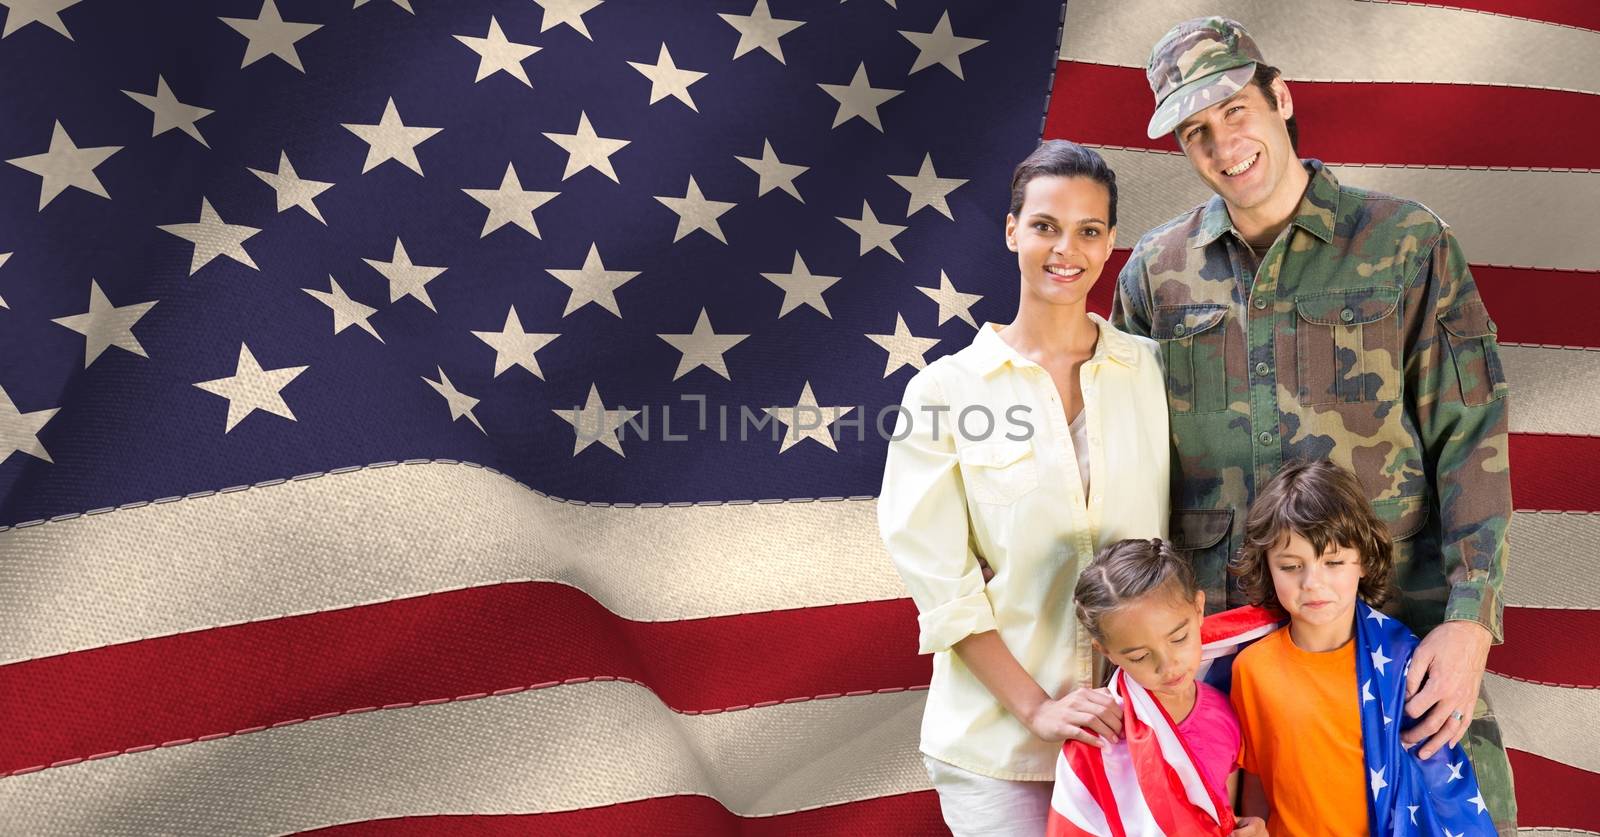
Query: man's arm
[1130, 305]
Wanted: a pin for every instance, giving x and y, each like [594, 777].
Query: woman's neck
[1043, 332]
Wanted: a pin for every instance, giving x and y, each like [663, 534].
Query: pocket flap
[994, 454]
[1350, 307]
[1175, 322]
[1468, 319]
[1200, 528]
[1403, 515]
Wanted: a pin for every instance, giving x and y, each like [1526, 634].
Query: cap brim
[1198, 95]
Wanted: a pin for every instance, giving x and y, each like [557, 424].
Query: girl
[1012, 673]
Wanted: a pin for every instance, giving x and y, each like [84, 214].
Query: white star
[1412, 809]
[4, 257]
[890, 2]
[1478, 801]
[592, 283]
[859, 99]
[952, 303]
[405, 278]
[252, 388]
[460, 404]
[105, 325]
[404, 4]
[1379, 660]
[346, 311]
[1455, 771]
[941, 46]
[515, 347]
[703, 347]
[20, 13]
[212, 238]
[927, 189]
[801, 287]
[1376, 615]
[586, 149]
[1378, 783]
[570, 12]
[496, 54]
[760, 29]
[510, 204]
[1449, 833]
[1387, 720]
[171, 113]
[667, 80]
[19, 431]
[293, 190]
[391, 139]
[695, 212]
[594, 423]
[270, 34]
[904, 348]
[872, 232]
[775, 174]
[64, 165]
[1366, 691]
[807, 420]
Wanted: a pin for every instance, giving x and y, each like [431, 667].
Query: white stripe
[380, 534]
[555, 749]
[1556, 832]
[1550, 560]
[1345, 41]
[1553, 389]
[1194, 788]
[1548, 721]
[1133, 810]
[1519, 218]
[1071, 798]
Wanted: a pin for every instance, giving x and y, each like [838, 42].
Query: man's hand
[1448, 668]
[1088, 715]
[1250, 827]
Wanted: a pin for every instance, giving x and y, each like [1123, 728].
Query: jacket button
[1265, 438]
[1493, 327]
[1261, 368]
[1347, 315]
[1261, 304]
[1180, 329]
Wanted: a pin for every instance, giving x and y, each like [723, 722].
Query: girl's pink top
[1212, 733]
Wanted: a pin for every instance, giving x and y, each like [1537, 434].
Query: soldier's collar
[1318, 209]
[993, 352]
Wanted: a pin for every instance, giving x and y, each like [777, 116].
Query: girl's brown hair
[1126, 571]
[1324, 504]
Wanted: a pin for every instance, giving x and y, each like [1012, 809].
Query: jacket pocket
[1475, 351]
[1403, 515]
[998, 472]
[1202, 534]
[1194, 343]
[1347, 345]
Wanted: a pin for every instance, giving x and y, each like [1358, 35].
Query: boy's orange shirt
[1301, 722]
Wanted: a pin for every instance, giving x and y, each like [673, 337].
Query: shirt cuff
[1477, 601]
[954, 621]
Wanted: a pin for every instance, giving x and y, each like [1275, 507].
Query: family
[1297, 403]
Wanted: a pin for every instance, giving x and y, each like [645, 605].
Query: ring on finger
[1457, 716]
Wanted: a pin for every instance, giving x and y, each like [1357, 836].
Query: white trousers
[974, 804]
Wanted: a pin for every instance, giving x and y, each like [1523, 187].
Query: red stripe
[443, 646]
[1554, 795]
[1357, 122]
[1548, 646]
[1555, 473]
[1541, 306]
[1583, 14]
[692, 816]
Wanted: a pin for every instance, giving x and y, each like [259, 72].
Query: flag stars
[859, 99]
[952, 303]
[20, 13]
[404, 4]
[212, 237]
[459, 403]
[1366, 691]
[904, 348]
[510, 204]
[405, 278]
[19, 431]
[105, 325]
[801, 287]
[4, 257]
[391, 139]
[927, 189]
[1379, 660]
[1479, 803]
[569, 12]
[874, 234]
[515, 347]
[1376, 615]
[774, 173]
[941, 46]
[251, 388]
[346, 311]
[1378, 782]
[666, 79]
[170, 113]
[696, 212]
[588, 150]
[594, 422]
[270, 34]
[66, 165]
[760, 30]
[1412, 810]
[703, 347]
[1455, 771]
[592, 283]
[292, 190]
[497, 54]
[807, 420]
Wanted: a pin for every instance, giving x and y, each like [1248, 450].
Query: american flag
[323, 321]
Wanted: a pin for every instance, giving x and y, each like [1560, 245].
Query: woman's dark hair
[1127, 571]
[1063, 158]
[1324, 504]
[1265, 75]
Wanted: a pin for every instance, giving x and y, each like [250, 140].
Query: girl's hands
[1250, 827]
[1088, 715]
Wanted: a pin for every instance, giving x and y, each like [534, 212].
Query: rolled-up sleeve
[922, 518]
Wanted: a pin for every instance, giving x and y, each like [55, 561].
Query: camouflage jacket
[1362, 339]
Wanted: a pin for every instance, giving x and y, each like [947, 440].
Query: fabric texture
[975, 805]
[1211, 732]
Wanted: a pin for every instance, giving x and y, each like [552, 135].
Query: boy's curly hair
[1324, 504]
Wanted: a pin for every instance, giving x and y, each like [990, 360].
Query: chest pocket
[998, 472]
[1194, 344]
[1347, 345]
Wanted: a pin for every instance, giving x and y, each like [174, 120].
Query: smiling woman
[1012, 669]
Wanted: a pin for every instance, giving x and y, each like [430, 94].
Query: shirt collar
[992, 352]
[1316, 213]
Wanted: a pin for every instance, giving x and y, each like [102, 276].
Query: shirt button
[1347, 315]
[1179, 329]
[1261, 304]
[1261, 368]
[1264, 438]
[1493, 327]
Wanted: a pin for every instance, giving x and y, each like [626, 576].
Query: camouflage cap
[1195, 65]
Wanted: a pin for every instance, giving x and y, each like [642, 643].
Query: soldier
[1299, 318]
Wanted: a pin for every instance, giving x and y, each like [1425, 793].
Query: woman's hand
[1088, 715]
[1250, 827]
